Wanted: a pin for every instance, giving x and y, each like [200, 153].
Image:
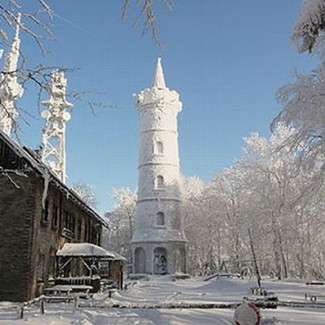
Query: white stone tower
[158, 242]
[53, 138]
[10, 89]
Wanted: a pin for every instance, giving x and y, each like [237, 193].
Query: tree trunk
[257, 272]
[283, 259]
[277, 262]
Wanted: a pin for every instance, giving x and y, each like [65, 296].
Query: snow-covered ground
[216, 290]
[163, 290]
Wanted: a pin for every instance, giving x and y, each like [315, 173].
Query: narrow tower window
[160, 181]
[160, 219]
[159, 148]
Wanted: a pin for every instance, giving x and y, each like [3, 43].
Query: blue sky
[226, 59]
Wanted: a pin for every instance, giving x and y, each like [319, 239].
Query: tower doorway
[160, 261]
[140, 260]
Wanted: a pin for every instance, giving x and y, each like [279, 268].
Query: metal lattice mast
[10, 89]
[56, 116]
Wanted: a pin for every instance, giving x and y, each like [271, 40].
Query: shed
[92, 257]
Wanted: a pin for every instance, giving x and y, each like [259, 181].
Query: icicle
[46, 177]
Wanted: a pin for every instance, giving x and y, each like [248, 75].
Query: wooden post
[75, 303]
[42, 306]
[21, 311]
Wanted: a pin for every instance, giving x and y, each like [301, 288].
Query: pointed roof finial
[159, 79]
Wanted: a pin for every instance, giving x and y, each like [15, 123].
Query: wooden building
[38, 214]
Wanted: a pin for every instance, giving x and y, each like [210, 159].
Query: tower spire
[159, 79]
[10, 89]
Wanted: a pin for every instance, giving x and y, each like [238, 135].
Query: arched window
[160, 219]
[160, 181]
[159, 148]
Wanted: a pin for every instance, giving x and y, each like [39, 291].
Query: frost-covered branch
[86, 193]
[309, 25]
[146, 12]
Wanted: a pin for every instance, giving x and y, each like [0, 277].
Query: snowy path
[164, 290]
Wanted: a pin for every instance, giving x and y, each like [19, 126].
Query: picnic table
[66, 292]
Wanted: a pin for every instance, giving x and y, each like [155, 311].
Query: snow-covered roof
[119, 257]
[45, 172]
[88, 250]
[84, 249]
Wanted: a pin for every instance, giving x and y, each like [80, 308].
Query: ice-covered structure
[158, 242]
[56, 116]
[10, 89]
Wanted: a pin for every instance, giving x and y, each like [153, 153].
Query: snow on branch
[86, 193]
[147, 12]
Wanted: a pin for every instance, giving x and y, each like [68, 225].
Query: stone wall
[175, 256]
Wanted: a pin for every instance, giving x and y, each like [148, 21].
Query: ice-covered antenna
[56, 116]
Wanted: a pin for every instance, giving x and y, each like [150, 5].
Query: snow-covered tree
[266, 192]
[303, 100]
[278, 202]
[121, 220]
[309, 25]
[86, 193]
[194, 223]
[303, 108]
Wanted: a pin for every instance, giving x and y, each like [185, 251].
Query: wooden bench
[58, 298]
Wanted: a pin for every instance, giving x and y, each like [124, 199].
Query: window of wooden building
[72, 223]
[87, 233]
[55, 216]
[99, 237]
[66, 219]
[78, 230]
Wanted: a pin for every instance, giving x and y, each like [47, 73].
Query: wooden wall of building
[31, 233]
[17, 207]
